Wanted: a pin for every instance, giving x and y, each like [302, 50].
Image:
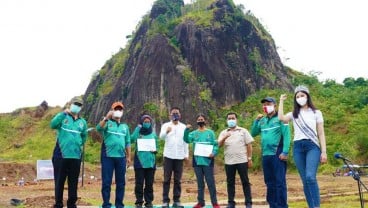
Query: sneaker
[248, 205]
[216, 205]
[165, 205]
[198, 205]
[177, 205]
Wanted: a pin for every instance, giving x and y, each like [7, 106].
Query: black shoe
[148, 205]
[177, 205]
[138, 206]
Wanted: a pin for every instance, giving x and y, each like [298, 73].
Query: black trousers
[66, 169]
[230, 171]
[176, 166]
[144, 178]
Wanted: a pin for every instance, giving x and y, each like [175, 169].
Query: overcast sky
[49, 49]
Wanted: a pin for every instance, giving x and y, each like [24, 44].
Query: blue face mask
[75, 109]
[146, 125]
[175, 117]
[231, 123]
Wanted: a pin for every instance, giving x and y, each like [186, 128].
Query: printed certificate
[203, 149]
[147, 145]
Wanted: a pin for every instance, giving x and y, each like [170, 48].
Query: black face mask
[201, 123]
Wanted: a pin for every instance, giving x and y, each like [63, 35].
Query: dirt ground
[40, 193]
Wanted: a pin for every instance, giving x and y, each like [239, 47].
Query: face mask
[117, 114]
[268, 109]
[231, 123]
[201, 123]
[146, 125]
[175, 117]
[75, 109]
[301, 101]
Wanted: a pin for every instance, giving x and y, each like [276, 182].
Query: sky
[49, 49]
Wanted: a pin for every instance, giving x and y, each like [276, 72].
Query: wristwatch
[249, 158]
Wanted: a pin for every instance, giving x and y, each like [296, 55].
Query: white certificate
[203, 149]
[146, 145]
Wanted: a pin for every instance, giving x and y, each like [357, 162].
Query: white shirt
[175, 147]
[305, 126]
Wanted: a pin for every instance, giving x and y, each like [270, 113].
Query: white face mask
[301, 101]
[117, 114]
[268, 108]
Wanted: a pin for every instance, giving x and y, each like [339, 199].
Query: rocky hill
[199, 57]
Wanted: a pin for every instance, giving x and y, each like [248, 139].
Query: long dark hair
[297, 107]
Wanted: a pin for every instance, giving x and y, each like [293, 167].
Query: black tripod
[356, 176]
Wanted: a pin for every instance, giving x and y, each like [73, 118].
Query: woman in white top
[309, 148]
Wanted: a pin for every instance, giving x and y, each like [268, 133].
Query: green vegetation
[332, 202]
[24, 138]
[344, 106]
[261, 31]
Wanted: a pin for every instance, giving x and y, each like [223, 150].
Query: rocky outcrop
[177, 59]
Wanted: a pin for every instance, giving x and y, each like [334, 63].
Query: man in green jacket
[66, 159]
[115, 154]
[275, 143]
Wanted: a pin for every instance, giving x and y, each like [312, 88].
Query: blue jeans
[274, 171]
[307, 157]
[108, 165]
[205, 172]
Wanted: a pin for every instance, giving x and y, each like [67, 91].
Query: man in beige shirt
[237, 142]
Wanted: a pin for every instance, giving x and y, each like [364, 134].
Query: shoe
[198, 205]
[177, 205]
[138, 206]
[216, 205]
[16, 202]
[148, 205]
[165, 205]
[248, 205]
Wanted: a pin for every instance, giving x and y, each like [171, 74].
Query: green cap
[77, 100]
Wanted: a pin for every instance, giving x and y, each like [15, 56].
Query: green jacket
[144, 159]
[206, 137]
[116, 138]
[272, 130]
[71, 135]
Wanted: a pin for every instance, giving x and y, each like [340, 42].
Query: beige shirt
[236, 145]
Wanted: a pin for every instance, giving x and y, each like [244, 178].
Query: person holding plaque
[146, 145]
[205, 149]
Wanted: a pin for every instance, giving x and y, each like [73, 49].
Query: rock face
[196, 57]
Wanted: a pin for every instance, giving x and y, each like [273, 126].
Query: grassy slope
[24, 138]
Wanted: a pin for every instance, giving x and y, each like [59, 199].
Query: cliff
[199, 57]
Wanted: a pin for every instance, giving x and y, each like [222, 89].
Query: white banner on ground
[45, 170]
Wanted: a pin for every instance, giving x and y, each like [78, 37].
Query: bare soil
[41, 193]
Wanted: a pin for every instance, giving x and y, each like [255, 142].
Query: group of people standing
[309, 150]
